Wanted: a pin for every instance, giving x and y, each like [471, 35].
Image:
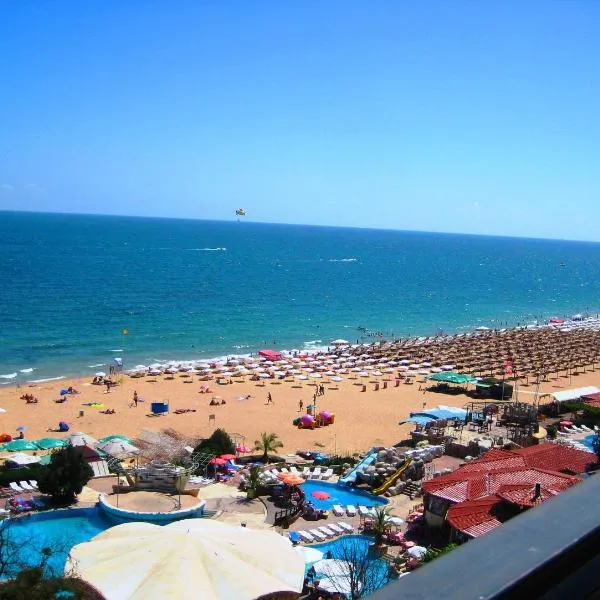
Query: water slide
[389, 482]
[350, 477]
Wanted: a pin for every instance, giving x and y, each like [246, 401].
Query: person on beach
[135, 398]
[270, 399]
[300, 405]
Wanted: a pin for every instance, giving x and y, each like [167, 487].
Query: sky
[452, 116]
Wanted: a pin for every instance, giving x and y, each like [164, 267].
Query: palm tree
[269, 442]
[252, 482]
[380, 524]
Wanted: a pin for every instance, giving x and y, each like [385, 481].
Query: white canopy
[199, 558]
[18, 458]
[118, 448]
[574, 394]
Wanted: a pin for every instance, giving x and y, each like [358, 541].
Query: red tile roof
[554, 457]
[475, 518]
[526, 495]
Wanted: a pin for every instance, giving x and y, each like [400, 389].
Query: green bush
[218, 443]
[551, 429]
[65, 476]
[24, 474]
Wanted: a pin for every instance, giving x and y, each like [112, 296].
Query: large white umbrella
[81, 439]
[118, 448]
[339, 584]
[309, 555]
[199, 558]
[417, 551]
[332, 567]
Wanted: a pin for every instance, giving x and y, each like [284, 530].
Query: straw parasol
[212, 559]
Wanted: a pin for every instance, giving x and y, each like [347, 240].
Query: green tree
[218, 443]
[380, 524]
[269, 442]
[252, 482]
[65, 476]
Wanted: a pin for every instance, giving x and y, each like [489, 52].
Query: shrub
[218, 443]
[551, 429]
[65, 476]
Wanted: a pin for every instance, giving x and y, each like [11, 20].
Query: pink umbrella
[243, 449]
[227, 456]
[217, 461]
[319, 495]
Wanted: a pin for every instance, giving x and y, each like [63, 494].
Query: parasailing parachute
[240, 212]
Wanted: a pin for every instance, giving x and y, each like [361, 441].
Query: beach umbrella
[243, 449]
[214, 559]
[100, 374]
[293, 480]
[21, 428]
[20, 446]
[118, 448]
[50, 443]
[417, 551]
[81, 439]
[217, 461]
[228, 456]
[2, 410]
[115, 436]
[309, 555]
[332, 567]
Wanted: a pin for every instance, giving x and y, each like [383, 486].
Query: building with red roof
[482, 494]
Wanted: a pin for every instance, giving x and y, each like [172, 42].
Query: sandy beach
[362, 419]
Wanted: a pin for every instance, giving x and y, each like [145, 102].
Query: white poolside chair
[394, 521]
[33, 484]
[295, 471]
[326, 531]
[316, 474]
[346, 526]
[306, 473]
[284, 470]
[16, 487]
[306, 536]
[336, 528]
[319, 535]
[327, 474]
[351, 510]
[338, 510]
[363, 511]
[585, 428]
[26, 486]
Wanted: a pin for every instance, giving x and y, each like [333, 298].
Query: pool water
[338, 494]
[355, 549]
[25, 538]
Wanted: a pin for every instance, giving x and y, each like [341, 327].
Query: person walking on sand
[300, 405]
[270, 399]
[135, 398]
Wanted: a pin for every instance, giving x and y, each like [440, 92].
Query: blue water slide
[350, 477]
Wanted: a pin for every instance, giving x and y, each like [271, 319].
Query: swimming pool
[26, 537]
[338, 494]
[355, 549]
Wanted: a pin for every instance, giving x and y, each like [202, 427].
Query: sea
[78, 291]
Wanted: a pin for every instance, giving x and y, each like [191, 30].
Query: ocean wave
[313, 342]
[342, 260]
[8, 376]
[47, 379]
[29, 370]
[96, 366]
[117, 350]
[207, 249]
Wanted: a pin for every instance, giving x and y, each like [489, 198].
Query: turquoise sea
[187, 289]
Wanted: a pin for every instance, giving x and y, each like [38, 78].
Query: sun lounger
[283, 470]
[346, 526]
[295, 471]
[585, 428]
[15, 486]
[336, 528]
[306, 473]
[326, 531]
[394, 521]
[316, 474]
[294, 537]
[363, 511]
[327, 474]
[306, 536]
[562, 434]
[26, 486]
[351, 510]
[33, 484]
[316, 533]
[338, 510]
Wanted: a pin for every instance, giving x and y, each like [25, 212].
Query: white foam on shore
[8, 376]
[47, 379]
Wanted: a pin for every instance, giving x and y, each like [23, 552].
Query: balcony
[551, 551]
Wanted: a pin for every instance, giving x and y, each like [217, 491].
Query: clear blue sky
[479, 117]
